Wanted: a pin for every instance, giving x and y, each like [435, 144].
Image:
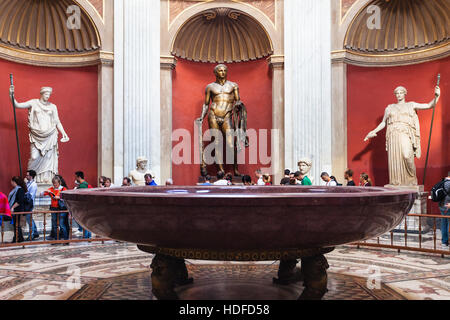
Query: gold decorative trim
[274, 23]
[236, 255]
[102, 18]
[370, 60]
[357, 53]
[188, 8]
[52, 60]
[207, 1]
[85, 54]
[97, 33]
[342, 18]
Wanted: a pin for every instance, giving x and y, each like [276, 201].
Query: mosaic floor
[113, 271]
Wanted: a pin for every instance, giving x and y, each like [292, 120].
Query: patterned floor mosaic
[217, 282]
[113, 271]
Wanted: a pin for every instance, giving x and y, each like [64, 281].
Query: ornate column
[105, 98]
[137, 92]
[105, 114]
[339, 119]
[167, 64]
[277, 136]
[308, 85]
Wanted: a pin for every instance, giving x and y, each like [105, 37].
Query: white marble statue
[304, 166]
[402, 137]
[137, 175]
[44, 124]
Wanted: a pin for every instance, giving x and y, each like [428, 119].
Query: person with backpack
[441, 193]
[16, 200]
[32, 189]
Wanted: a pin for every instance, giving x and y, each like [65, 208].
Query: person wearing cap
[44, 124]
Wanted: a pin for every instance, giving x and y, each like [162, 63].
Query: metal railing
[416, 237]
[21, 221]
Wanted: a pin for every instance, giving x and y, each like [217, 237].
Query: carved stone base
[168, 272]
[314, 271]
[288, 273]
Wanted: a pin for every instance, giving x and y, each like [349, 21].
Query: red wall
[370, 90]
[75, 95]
[189, 83]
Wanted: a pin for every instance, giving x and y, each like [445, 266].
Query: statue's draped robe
[43, 121]
[402, 143]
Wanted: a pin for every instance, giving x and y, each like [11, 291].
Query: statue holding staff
[44, 124]
[402, 136]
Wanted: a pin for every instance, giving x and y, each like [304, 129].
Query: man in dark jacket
[444, 206]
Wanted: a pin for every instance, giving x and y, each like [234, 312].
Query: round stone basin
[239, 218]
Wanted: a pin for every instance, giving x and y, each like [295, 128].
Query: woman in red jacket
[55, 193]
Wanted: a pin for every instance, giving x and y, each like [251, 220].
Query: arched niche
[269, 27]
[221, 35]
[412, 31]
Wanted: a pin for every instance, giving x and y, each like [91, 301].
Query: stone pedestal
[41, 202]
[419, 207]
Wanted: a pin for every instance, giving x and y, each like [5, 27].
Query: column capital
[106, 57]
[276, 61]
[168, 62]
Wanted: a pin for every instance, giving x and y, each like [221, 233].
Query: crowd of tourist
[22, 198]
[290, 178]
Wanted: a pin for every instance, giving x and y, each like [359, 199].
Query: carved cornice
[106, 57]
[168, 62]
[50, 60]
[385, 60]
[276, 61]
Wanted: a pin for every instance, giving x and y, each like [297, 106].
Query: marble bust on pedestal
[137, 175]
[304, 166]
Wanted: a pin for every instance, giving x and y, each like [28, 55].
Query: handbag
[61, 205]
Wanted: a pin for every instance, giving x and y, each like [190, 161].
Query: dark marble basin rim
[244, 192]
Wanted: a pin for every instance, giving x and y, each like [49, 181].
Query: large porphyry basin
[239, 218]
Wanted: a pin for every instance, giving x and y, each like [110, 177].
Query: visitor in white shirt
[220, 180]
[326, 177]
[259, 176]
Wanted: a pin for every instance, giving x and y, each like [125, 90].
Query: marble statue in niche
[44, 124]
[402, 136]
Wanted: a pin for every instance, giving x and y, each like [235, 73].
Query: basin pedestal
[234, 223]
[169, 268]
